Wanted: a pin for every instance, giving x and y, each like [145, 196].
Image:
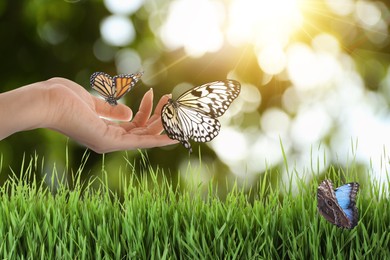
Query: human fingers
[132, 141]
[156, 117]
[147, 141]
[145, 109]
[154, 128]
[154, 125]
[118, 112]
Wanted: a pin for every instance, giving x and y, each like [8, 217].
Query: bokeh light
[275, 123]
[194, 25]
[310, 48]
[341, 7]
[124, 7]
[310, 69]
[52, 33]
[310, 125]
[315, 75]
[117, 30]
[103, 51]
[261, 22]
[367, 13]
[128, 61]
[272, 59]
[231, 145]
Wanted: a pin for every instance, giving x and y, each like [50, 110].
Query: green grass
[154, 218]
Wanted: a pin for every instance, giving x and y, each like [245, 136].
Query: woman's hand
[66, 107]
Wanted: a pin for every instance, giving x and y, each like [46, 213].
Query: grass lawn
[153, 218]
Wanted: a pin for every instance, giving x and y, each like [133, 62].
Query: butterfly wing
[198, 126]
[124, 83]
[172, 125]
[182, 123]
[211, 99]
[193, 115]
[332, 209]
[326, 201]
[104, 85]
[346, 198]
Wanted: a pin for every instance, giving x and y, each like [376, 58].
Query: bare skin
[66, 107]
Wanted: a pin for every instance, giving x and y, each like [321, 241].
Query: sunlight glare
[194, 25]
[309, 69]
[341, 7]
[326, 43]
[272, 59]
[260, 20]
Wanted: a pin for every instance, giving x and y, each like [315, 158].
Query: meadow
[151, 217]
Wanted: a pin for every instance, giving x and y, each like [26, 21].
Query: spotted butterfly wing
[193, 115]
[113, 88]
[338, 206]
[213, 98]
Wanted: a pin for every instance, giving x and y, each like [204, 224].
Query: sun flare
[259, 21]
[201, 26]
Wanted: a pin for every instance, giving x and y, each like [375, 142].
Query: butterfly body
[338, 206]
[113, 88]
[193, 115]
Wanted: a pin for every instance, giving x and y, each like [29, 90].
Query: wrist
[22, 109]
[57, 103]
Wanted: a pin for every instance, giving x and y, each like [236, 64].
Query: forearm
[22, 109]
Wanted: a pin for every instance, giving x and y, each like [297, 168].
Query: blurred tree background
[315, 75]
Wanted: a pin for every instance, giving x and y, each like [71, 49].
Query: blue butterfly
[338, 206]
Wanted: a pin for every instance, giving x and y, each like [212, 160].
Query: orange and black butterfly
[113, 88]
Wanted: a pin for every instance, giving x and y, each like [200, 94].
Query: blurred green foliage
[43, 39]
